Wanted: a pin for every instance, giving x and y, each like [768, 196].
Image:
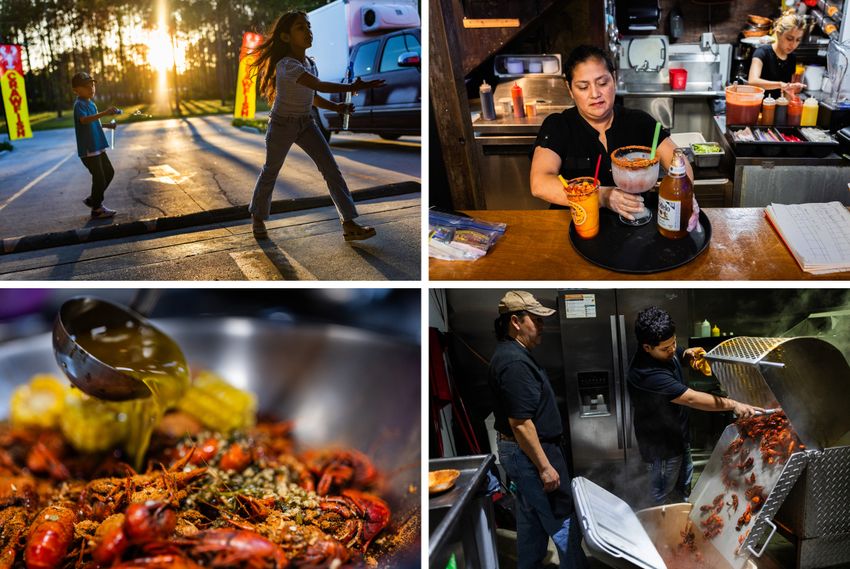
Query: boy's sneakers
[102, 212]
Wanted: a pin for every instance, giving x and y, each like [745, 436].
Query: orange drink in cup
[583, 194]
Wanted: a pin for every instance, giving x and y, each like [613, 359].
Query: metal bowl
[341, 386]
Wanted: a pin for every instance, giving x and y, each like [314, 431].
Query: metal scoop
[82, 315]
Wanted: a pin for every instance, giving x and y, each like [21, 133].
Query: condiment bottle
[706, 329]
[715, 331]
[488, 106]
[795, 111]
[675, 199]
[780, 117]
[768, 109]
[516, 97]
[810, 112]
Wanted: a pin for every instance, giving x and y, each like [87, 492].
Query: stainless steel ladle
[80, 316]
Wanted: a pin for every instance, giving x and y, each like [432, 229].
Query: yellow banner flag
[14, 93]
[246, 82]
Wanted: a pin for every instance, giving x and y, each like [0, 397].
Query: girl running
[289, 80]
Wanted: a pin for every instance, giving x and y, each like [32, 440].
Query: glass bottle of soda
[675, 199]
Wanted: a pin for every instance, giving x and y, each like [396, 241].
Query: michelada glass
[635, 172]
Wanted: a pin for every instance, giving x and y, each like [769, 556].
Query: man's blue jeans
[539, 515]
[670, 478]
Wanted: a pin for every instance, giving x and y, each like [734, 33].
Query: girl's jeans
[535, 520]
[301, 130]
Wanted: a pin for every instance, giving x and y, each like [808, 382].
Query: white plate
[761, 40]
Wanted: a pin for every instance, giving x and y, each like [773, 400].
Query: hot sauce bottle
[516, 98]
[675, 199]
[795, 111]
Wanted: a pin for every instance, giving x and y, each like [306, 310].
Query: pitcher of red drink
[743, 104]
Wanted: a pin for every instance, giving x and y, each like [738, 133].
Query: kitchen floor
[780, 554]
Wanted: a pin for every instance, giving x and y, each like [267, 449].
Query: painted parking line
[271, 263]
[26, 188]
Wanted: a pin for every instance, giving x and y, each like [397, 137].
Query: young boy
[91, 142]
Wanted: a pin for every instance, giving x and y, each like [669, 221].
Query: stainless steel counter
[665, 91]
[461, 520]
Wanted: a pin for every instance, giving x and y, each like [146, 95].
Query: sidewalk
[107, 230]
[302, 245]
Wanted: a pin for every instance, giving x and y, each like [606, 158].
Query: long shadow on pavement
[291, 189]
[279, 259]
[391, 272]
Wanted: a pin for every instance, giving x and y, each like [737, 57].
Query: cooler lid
[611, 529]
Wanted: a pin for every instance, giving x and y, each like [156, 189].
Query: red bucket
[678, 79]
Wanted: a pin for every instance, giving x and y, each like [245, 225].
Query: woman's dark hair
[653, 326]
[581, 54]
[503, 323]
[271, 50]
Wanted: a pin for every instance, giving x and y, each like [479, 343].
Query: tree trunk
[54, 80]
[174, 69]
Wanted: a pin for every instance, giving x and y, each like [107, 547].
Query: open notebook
[817, 234]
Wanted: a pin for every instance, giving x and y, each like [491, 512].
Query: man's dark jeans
[101, 175]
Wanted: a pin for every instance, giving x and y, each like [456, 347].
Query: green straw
[655, 140]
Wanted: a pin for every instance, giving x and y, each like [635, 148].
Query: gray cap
[516, 300]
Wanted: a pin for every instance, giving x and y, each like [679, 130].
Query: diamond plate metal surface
[828, 493]
[746, 348]
[790, 474]
[830, 551]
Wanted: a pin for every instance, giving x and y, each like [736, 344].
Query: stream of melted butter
[147, 355]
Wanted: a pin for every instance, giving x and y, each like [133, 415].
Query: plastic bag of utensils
[459, 238]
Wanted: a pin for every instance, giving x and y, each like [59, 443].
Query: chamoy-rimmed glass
[635, 172]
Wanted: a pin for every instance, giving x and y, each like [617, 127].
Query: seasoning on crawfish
[713, 526]
[745, 518]
[734, 503]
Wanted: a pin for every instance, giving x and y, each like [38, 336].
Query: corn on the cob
[38, 403]
[217, 404]
[92, 425]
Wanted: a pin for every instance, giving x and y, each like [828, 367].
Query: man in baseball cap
[530, 429]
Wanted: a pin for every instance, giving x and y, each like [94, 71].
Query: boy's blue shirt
[90, 137]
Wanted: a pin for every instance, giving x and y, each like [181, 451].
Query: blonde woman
[773, 65]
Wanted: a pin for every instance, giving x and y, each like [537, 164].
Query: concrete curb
[128, 229]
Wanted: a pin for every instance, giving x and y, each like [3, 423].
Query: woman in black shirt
[569, 143]
[773, 65]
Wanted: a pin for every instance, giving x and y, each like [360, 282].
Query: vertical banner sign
[246, 82]
[14, 94]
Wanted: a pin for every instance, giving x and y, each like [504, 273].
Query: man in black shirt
[529, 427]
[569, 143]
[660, 396]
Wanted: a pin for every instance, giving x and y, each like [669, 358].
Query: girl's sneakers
[351, 231]
[102, 212]
[259, 228]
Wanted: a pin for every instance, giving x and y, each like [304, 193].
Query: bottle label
[669, 214]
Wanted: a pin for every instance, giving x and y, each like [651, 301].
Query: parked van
[394, 109]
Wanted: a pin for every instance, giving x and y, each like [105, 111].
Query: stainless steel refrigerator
[598, 343]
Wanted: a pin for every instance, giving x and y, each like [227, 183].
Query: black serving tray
[786, 149]
[640, 250]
